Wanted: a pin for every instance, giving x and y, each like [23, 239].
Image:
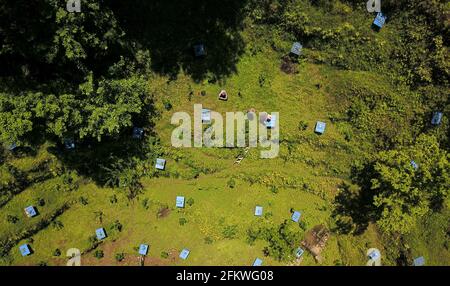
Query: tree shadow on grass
[354, 208]
[169, 29]
[95, 160]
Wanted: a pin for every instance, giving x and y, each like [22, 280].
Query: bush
[274, 190]
[208, 240]
[12, 219]
[119, 256]
[117, 226]
[282, 241]
[99, 254]
[83, 201]
[164, 254]
[167, 105]
[261, 80]
[268, 215]
[40, 202]
[69, 182]
[57, 252]
[182, 221]
[230, 231]
[145, 203]
[231, 183]
[92, 241]
[252, 235]
[113, 199]
[303, 225]
[302, 125]
[190, 202]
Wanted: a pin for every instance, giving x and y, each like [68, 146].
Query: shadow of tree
[354, 207]
[169, 29]
[93, 159]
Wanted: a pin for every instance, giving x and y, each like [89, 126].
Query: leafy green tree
[282, 241]
[16, 117]
[43, 36]
[71, 88]
[110, 107]
[403, 193]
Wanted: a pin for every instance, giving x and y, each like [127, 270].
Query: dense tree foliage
[398, 188]
[40, 39]
[95, 110]
[69, 89]
[403, 193]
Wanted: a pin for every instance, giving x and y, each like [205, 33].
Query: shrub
[208, 240]
[190, 202]
[92, 241]
[303, 225]
[164, 254]
[117, 226]
[252, 235]
[182, 221]
[302, 125]
[98, 216]
[69, 182]
[119, 256]
[167, 105]
[229, 231]
[274, 190]
[268, 215]
[40, 202]
[113, 199]
[83, 201]
[282, 241]
[99, 254]
[12, 219]
[145, 203]
[231, 183]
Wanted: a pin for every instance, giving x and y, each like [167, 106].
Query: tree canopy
[403, 193]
